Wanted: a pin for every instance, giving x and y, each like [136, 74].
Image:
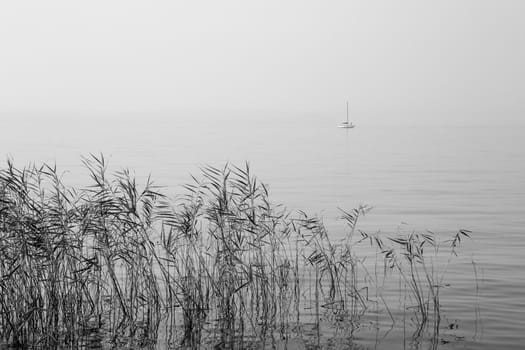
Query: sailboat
[346, 124]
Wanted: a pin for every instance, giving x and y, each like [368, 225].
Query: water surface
[416, 178]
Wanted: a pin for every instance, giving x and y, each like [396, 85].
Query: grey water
[439, 178]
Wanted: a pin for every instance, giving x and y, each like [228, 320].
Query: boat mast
[346, 112]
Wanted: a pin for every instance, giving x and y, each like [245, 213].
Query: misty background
[398, 62]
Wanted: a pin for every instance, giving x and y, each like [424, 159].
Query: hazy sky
[396, 61]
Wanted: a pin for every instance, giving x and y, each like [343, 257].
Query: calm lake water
[417, 178]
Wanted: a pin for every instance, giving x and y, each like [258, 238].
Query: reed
[73, 261]
[420, 272]
[221, 264]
